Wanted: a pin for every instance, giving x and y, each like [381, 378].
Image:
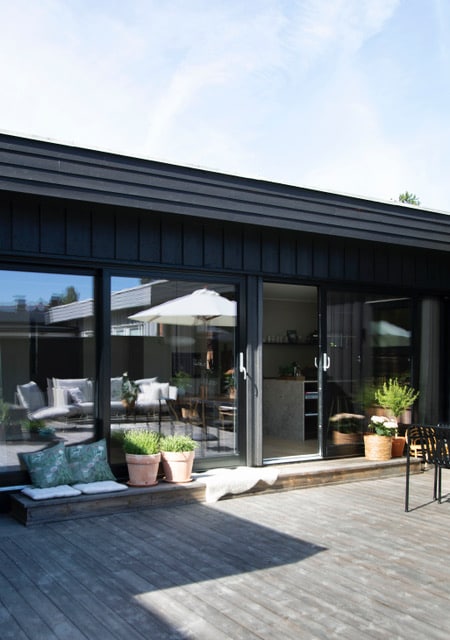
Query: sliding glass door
[368, 340]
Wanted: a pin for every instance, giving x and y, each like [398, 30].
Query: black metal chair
[433, 444]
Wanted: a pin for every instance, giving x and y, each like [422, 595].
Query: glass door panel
[368, 340]
[290, 391]
[180, 358]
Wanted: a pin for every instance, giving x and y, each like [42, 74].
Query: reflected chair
[431, 444]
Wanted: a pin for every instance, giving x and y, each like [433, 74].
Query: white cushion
[116, 388]
[60, 491]
[103, 486]
[146, 381]
[30, 396]
[163, 387]
[150, 396]
[84, 384]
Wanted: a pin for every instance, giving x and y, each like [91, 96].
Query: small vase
[377, 447]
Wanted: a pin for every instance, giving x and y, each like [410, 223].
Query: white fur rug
[220, 482]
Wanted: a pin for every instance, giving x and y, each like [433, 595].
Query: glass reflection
[176, 341]
[46, 362]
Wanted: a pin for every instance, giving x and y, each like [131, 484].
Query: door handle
[242, 368]
[325, 362]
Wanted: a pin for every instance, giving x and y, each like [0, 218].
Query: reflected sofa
[74, 398]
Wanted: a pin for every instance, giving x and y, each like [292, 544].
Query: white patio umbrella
[199, 308]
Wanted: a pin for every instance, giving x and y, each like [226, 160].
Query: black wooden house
[334, 294]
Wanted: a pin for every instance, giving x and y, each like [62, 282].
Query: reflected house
[333, 294]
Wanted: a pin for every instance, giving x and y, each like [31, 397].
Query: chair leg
[407, 481]
[439, 483]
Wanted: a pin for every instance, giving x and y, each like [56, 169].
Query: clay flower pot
[177, 465]
[143, 469]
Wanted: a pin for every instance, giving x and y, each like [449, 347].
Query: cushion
[145, 381]
[116, 388]
[88, 462]
[151, 393]
[48, 467]
[30, 396]
[104, 486]
[84, 384]
[60, 491]
[76, 395]
[163, 388]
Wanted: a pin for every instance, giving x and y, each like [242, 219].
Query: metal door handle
[325, 362]
[242, 368]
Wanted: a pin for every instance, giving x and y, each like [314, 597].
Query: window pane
[182, 362]
[46, 362]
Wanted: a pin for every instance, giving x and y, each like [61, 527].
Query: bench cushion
[89, 462]
[48, 467]
[105, 486]
[61, 491]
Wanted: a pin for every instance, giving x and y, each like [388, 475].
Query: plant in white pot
[143, 455]
[396, 398]
[177, 454]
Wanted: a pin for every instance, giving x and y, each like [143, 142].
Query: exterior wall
[73, 233]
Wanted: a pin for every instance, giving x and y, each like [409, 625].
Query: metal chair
[433, 444]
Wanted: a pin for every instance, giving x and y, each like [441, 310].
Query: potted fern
[143, 455]
[177, 455]
[396, 398]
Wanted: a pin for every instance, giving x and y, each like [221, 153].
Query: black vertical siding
[74, 233]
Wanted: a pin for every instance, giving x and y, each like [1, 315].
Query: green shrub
[178, 443]
[141, 442]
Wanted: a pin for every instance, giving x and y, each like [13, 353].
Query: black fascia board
[54, 170]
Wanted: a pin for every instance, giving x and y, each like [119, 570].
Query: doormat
[222, 482]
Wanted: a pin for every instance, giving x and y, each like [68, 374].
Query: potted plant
[129, 392]
[182, 381]
[378, 442]
[177, 454]
[396, 398]
[143, 455]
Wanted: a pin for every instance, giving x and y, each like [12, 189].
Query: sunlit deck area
[334, 561]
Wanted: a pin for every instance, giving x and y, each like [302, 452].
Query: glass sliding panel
[182, 362]
[369, 340]
[47, 362]
[290, 400]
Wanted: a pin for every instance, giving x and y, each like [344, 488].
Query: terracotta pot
[377, 447]
[177, 465]
[398, 446]
[143, 469]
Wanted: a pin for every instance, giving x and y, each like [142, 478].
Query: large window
[47, 368]
[181, 359]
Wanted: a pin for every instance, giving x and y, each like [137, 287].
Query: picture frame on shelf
[292, 336]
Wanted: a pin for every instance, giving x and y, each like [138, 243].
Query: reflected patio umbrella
[201, 308]
[387, 334]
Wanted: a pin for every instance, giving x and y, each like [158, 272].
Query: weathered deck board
[339, 561]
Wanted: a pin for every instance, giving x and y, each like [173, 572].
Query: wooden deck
[335, 561]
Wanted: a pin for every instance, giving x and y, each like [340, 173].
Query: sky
[347, 96]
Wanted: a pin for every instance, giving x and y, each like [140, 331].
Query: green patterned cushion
[89, 462]
[48, 467]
